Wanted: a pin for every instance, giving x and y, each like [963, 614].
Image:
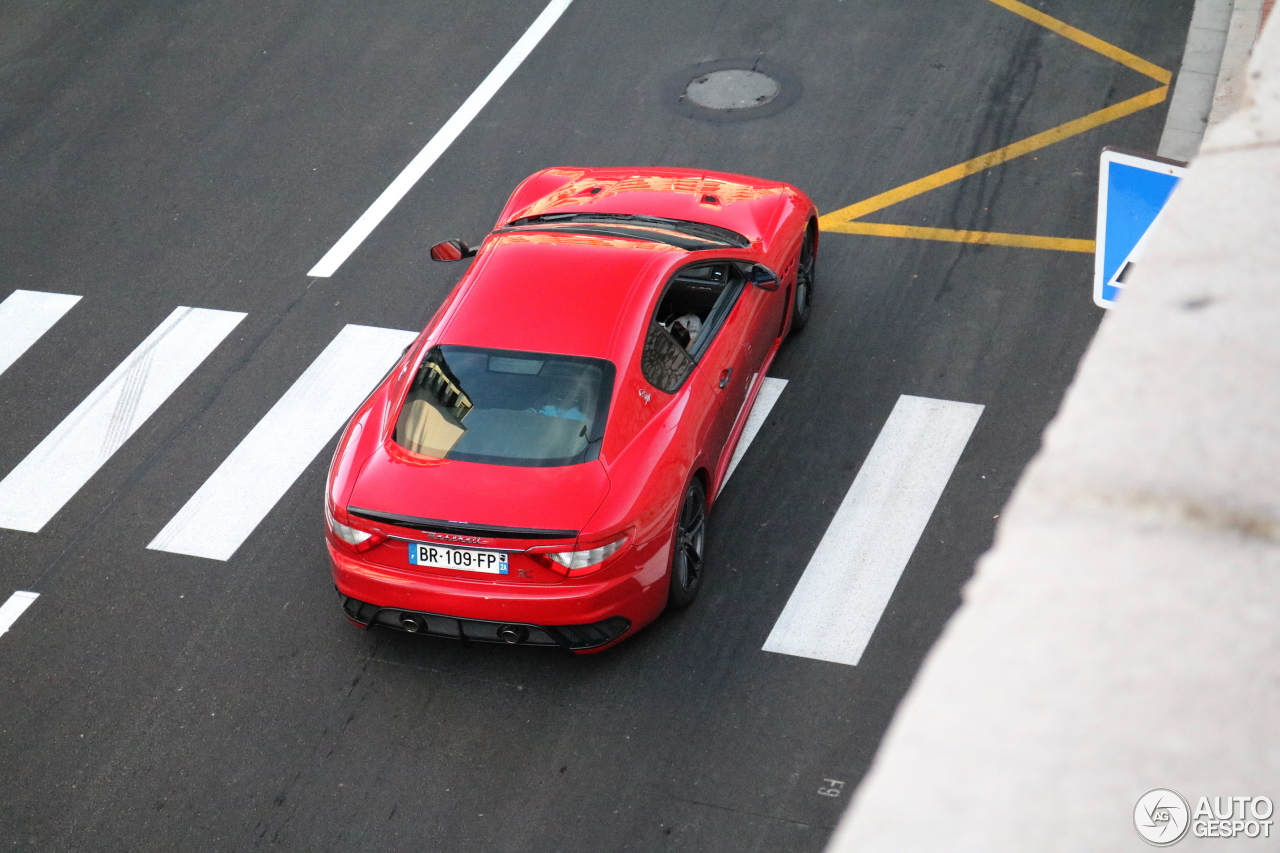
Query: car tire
[806, 273]
[689, 547]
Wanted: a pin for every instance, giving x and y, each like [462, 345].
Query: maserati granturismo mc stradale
[540, 465]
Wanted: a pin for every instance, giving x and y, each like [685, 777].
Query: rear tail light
[585, 562]
[353, 537]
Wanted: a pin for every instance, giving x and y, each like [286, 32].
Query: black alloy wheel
[806, 273]
[691, 537]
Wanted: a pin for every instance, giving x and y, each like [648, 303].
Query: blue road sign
[1132, 190]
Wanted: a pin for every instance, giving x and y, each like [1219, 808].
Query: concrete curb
[1197, 80]
[1242, 34]
[1211, 81]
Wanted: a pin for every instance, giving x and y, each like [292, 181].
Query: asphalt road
[157, 154]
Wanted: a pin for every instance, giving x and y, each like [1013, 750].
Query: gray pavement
[157, 154]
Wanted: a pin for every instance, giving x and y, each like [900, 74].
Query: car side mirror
[763, 278]
[451, 250]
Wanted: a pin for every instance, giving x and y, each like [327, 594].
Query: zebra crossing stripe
[844, 590]
[15, 607]
[770, 391]
[24, 317]
[63, 462]
[239, 494]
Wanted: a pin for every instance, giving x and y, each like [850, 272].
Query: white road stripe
[845, 588]
[15, 607]
[51, 474]
[26, 315]
[769, 393]
[439, 143]
[236, 497]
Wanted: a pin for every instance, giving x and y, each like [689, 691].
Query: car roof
[570, 294]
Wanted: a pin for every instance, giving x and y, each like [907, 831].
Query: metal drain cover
[732, 89]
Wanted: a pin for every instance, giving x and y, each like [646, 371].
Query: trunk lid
[515, 509]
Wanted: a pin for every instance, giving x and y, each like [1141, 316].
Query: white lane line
[26, 315]
[15, 607]
[769, 393]
[236, 497]
[439, 143]
[845, 588]
[55, 470]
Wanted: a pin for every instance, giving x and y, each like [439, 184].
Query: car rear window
[506, 408]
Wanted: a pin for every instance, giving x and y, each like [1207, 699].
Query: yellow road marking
[995, 158]
[1124, 57]
[841, 220]
[986, 238]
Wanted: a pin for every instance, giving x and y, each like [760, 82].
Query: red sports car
[540, 465]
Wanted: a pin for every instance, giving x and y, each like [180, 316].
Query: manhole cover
[732, 89]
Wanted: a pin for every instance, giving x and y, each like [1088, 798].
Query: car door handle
[725, 375]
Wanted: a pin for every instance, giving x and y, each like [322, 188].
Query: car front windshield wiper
[700, 230]
[628, 230]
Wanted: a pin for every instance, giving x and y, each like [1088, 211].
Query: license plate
[466, 559]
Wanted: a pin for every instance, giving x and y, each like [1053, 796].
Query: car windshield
[506, 408]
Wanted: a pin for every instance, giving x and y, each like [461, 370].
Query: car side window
[692, 309]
